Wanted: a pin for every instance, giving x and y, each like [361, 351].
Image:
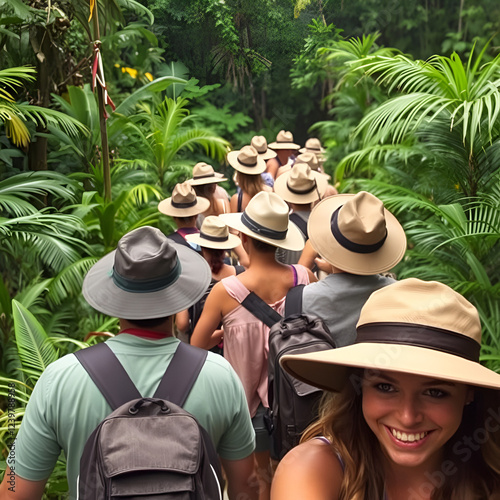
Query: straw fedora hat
[214, 233]
[313, 145]
[355, 233]
[300, 185]
[266, 219]
[312, 160]
[260, 144]
[203, 173]
[412, 326]
[183, 202]
[284, 140]
[247, 160]
[147, 276]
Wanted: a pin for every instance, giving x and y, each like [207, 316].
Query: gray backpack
[147, 448]
[293, 405]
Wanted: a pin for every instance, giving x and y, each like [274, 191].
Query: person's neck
[283, 155]
[165, 329]
[413, 483]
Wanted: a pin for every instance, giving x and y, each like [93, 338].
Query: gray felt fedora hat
[147, 276]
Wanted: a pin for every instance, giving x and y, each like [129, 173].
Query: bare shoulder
[310, 470]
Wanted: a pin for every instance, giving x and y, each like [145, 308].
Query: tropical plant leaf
[35, 349]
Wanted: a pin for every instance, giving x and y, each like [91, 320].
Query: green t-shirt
[66, 406]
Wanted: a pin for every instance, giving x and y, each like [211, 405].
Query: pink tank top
[246, 338]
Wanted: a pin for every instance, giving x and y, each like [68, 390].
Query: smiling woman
[410, 413]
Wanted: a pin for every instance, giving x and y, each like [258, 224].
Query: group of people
[408, 412]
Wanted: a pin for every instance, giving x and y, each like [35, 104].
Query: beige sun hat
[266, 219]
[147, 276]
[300, 185]
[247, 160]
[313, 145]
[412, 326]
[203, 173]
[214, 233]
[260, 144]
[355, 233]
[284, 140]
[183, 202]
[312, 160]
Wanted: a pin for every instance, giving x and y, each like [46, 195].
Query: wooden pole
[102, 117]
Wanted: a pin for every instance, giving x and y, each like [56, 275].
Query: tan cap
[356, 234]
[183, 202]
[214, 233]
[266, 219]
[203, 173]
[247, 160]
[260, 144]
[412, 326]
[284, 140]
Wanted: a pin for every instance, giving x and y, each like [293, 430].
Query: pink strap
[235, 288]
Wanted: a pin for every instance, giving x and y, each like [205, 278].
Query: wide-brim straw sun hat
[412, 326]
[266, 219]
[313, 161]
[183, 202]
[284, 140]
[214, 233]
[203, 173]
[300, 185]
[147, 276]
[356, 234]
[260, 144]
[247, 160]
[313, 145]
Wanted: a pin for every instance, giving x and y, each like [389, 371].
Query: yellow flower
[149, 76]
[131, 71]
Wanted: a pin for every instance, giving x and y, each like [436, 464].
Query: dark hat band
[313, 149]
[209, 237]
[262, 230]
[248, 163]
[205, 176]
[148, 285]
[302, 191]
[186, 204]
[424, 336]
[351, 245]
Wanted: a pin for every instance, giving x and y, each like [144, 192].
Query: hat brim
[232, 242]
[293, 241]
[268, 154]
[323, 241]
[329, 369]
[259, 168]
[281, 188]
[283, 145]
[315, 151]
[207, 180]
[103, 295]
[166, 207]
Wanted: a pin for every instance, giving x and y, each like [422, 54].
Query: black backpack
[293, 404]
[147, 448]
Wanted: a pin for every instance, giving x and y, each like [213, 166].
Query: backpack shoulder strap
[300, 222]
[240, 201]
[108, 374]
[293, 301]
[178, 239]
[260, 309]
[181, 374]
[239, 269]
[113, 381]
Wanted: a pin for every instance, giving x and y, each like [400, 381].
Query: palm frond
[35, 349]
[68, 283]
